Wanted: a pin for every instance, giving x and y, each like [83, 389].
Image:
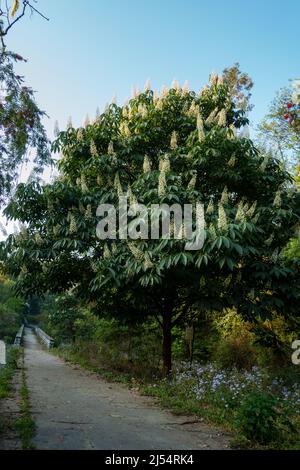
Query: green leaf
[230, 263]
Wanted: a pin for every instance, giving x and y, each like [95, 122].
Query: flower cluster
[228, 387]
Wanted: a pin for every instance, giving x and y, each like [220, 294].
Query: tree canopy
[179, 147]
[280, 129]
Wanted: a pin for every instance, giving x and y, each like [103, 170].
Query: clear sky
[93, 49]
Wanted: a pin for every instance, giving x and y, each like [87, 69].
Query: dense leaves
[11, 309]
[21, 127]
[280, 128]
[179, 147]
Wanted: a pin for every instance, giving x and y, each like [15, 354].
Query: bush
[234, 346]
[235, 352]
[243, 345]
[59, 317]
[261, 418]
[106, 344]
[134, 349]
[10, 311]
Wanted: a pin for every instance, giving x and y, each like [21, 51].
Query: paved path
[75, 409]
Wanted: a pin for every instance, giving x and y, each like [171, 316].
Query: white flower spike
[86, 121]
[173, 143]
[148, 85]
[69, 123]
[186, 86]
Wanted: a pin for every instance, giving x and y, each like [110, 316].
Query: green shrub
[135, 349]
[7, 372]
[234, 346]
[235, 352]
[110, 345]
[59, 317]
[10, 310]
[261, 418]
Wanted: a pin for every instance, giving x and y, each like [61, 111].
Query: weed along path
[76, 409]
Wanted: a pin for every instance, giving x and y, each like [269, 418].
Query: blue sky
[93, 49]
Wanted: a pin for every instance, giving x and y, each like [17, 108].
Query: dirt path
[75, 409]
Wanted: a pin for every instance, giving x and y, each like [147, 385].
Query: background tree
[11, 310]
[277, 132]
[179, 147]
[281, 132]
[239, 85]
[21, 127]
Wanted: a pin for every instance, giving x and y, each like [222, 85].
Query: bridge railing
[19, 336]
[46, 339]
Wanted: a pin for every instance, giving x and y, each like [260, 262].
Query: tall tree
[276, 129]
[280, 129]
[176, 148]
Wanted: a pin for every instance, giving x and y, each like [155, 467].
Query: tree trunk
[167, 343]
[189, 338]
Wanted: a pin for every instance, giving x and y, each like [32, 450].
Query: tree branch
[26, 4]
[10, 25]
[38, 12]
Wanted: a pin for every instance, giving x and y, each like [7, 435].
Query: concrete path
[76, 409]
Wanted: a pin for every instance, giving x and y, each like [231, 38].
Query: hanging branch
[26, 4]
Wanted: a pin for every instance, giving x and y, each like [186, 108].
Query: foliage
[246, 401]
[106, 344]
[280, 130]
[275, 129]
[25, 425]
[63, 315]
[11, 309]
[245, 344]
[240, 86]
[236, 351]
[171, 148]
[261, 418]
[21, 127]
[292, 250]
[7, 372]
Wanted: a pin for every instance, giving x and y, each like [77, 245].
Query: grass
[177, 399]
[179, 396]
[6, 377]
[25, 425]
[180, 401]
[75, 358]
[7, 372]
